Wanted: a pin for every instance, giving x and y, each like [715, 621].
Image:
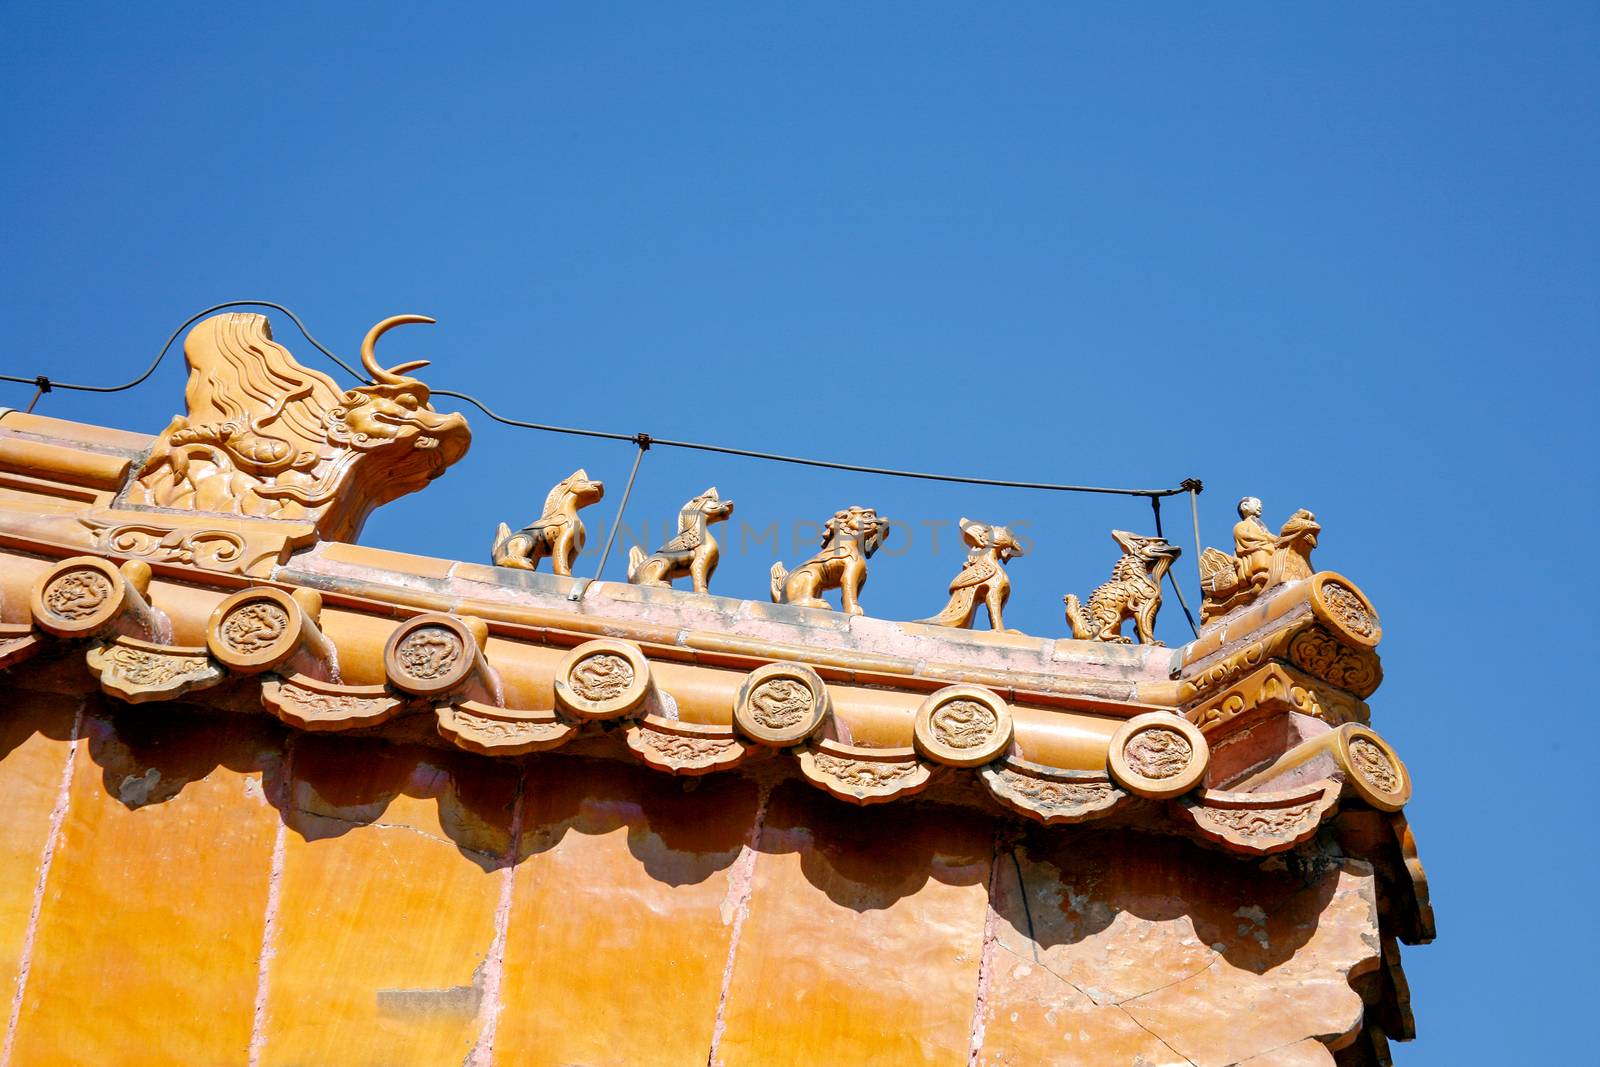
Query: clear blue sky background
[1341, 257]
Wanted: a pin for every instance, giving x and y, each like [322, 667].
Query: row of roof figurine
[852, 535]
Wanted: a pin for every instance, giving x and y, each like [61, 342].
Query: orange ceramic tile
[386, 907]
[624, 905]
[840, 893]
[63, 430]
[162, 867]
[382, 559]
[34, 743]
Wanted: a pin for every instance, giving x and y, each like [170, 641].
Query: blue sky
[1340, 257]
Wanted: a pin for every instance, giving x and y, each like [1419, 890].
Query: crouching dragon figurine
[982, 575]
[1134, 592]
[558, 532]
[693, 552]
[848, 540]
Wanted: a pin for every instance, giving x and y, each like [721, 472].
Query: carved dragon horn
[395, 375]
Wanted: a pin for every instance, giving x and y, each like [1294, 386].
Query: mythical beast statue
[1133, 592]
[267, 437]
[558, 532]
[693, 552]
[848, 540]
[983, 574]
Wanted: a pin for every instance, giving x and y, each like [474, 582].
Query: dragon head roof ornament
[267, 437]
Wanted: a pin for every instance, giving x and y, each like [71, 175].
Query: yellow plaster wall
[222, 890]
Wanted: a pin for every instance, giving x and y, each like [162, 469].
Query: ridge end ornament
[693, 552]
[1132, 592]
[558, 532]
[266, 437]
[982, 578]
[849, 539]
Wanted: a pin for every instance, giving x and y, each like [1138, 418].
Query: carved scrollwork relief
[963, 726]
[1318, 652]
[603, 680]
[1260, 823]
[1158, 755]
[1276, 687]
[1303, 643]
[138, 671]
[1051, 795]
[213, 550]
[863, 775]
[781, 704]
[684, 747]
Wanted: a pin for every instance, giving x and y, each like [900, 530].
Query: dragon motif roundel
[1345, 609]
[78, 597]
[781, 704]
[255, 629]
[1372, 768]
[603, 680]
[1158, 755]
[963, 726]
[430, 655]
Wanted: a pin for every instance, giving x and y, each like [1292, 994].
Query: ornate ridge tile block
[443, 810]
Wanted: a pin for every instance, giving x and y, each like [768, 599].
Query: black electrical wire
[45, 385]
[1155, 504]
[804, 462]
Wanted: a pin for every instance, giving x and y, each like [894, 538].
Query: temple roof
[215, 564]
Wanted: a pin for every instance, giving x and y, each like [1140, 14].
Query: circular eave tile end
[255, 630]
[603, 680]
[430, 655]
[1158, 755]
[963, 726]
[781, 704]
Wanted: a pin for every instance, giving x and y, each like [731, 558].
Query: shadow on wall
[1047, 888]
[1055, 889]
